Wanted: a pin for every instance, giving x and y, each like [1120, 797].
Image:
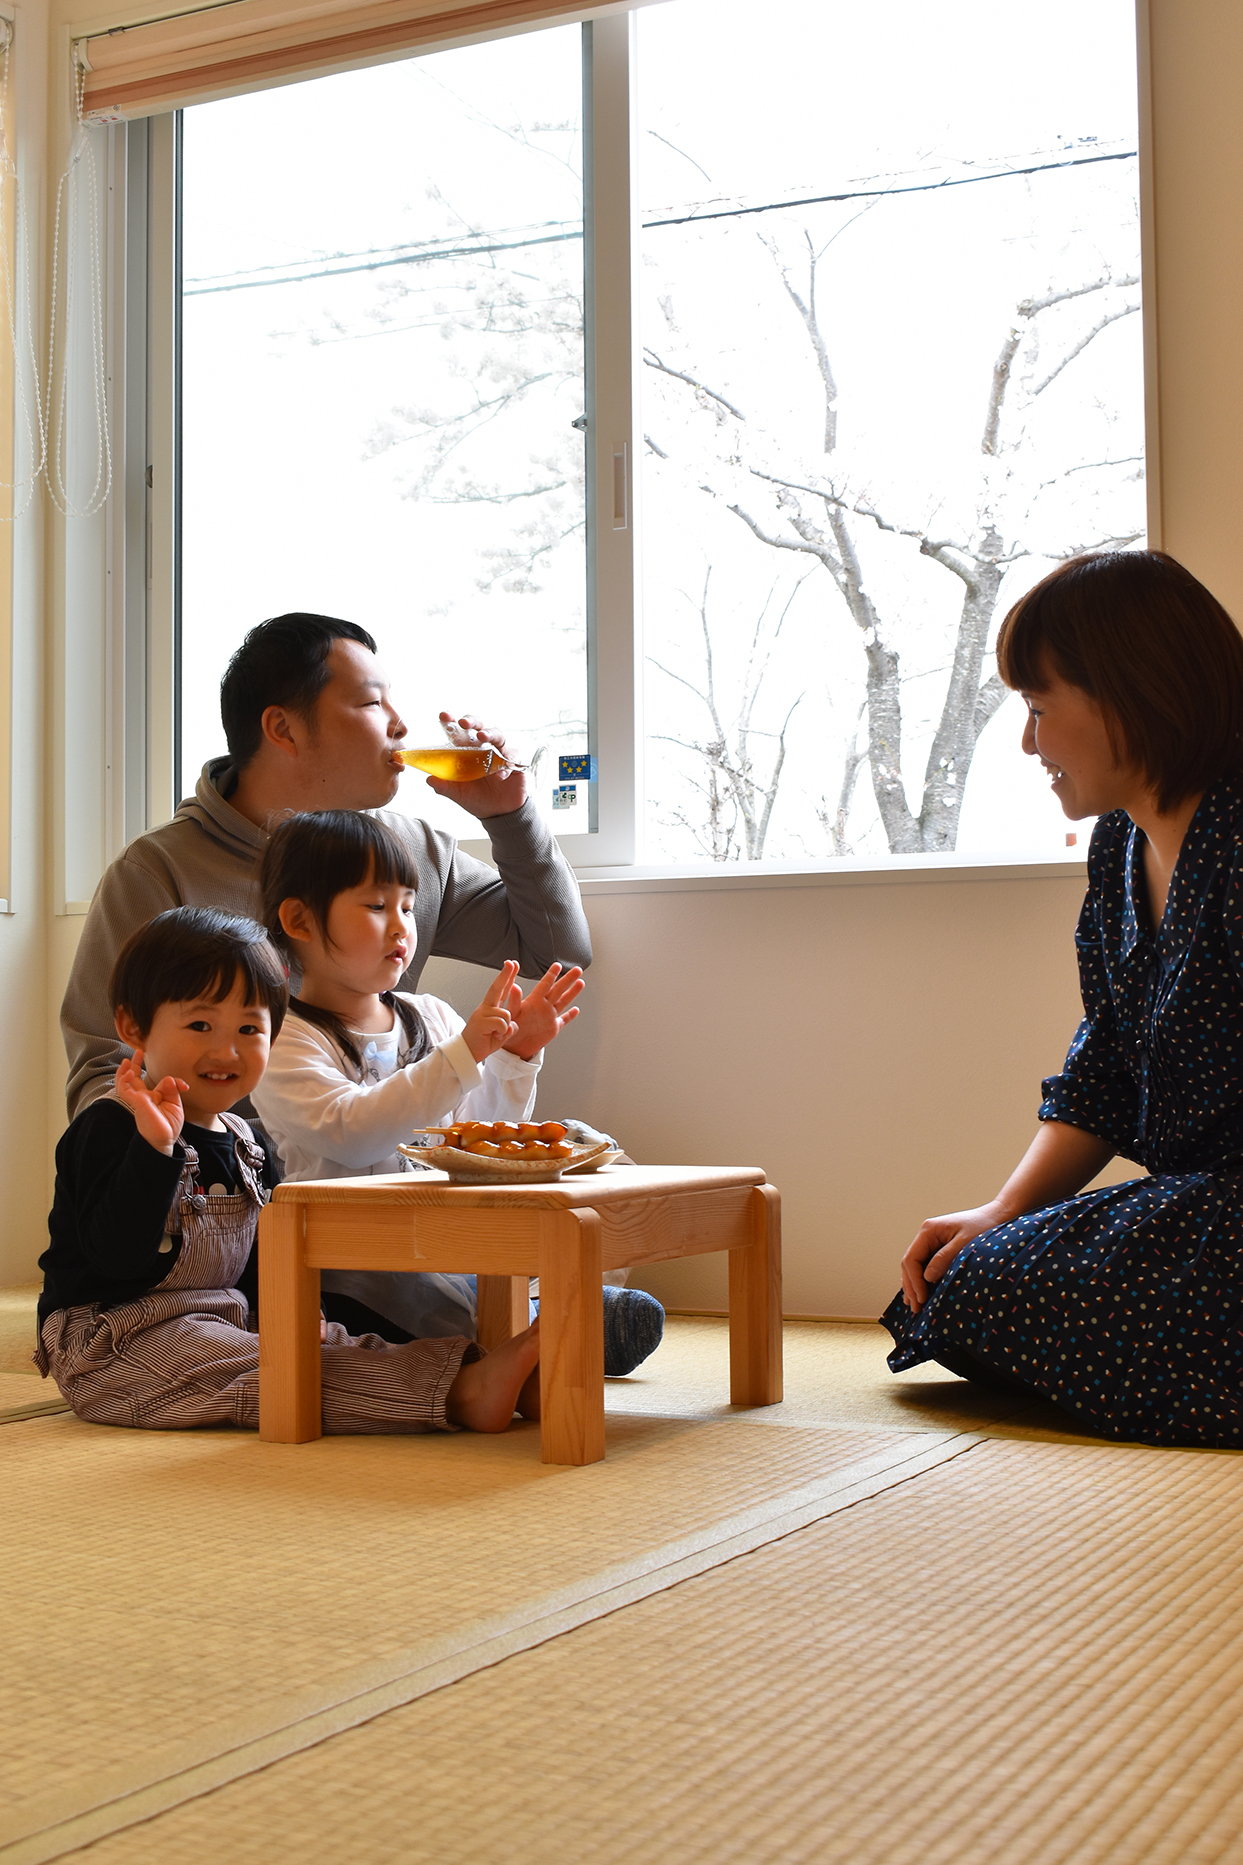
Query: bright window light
[892, 374]
[382, 368]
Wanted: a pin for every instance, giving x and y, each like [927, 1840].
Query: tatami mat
[25, 1395]
[209, 1595]
[220, 1604]
[22, 1393]
[835, 1375]
[17, 1328]
[1032, 1655]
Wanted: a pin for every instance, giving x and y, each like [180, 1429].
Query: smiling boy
[143, 1320]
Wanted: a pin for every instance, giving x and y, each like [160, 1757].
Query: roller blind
[218, 51]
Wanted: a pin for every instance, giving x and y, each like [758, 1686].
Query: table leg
[571, 1323]
[755, 1306]
[503, 1308]
[289, 1363]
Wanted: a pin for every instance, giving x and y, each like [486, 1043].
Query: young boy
[142, 1320]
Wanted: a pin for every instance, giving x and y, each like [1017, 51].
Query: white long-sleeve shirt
[326, 1124]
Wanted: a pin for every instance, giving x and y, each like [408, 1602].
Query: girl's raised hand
[490, 1026]
[544, 1012]
[157, 1110]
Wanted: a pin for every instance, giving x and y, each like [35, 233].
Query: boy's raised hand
[157, 1110]
[490, 1026]
[544, 1012]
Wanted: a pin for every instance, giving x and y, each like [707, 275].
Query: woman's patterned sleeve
[1095, 1090]
[1232, 914]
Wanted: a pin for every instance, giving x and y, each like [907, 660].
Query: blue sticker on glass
[580, 768]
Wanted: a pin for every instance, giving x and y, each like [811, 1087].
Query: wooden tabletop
[607, 1185]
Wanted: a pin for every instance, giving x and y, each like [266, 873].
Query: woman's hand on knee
[937, 1242]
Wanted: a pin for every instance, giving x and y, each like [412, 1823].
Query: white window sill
[692, 877]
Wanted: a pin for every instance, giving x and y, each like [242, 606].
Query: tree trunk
[953, 744]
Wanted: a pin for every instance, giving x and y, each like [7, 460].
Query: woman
[1125, 1306]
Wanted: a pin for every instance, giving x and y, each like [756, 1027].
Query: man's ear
[297, 920]
[128, 1030]
[284, 730]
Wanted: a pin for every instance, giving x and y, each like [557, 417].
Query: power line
[873, 194]
[421, 256]
[403, 258]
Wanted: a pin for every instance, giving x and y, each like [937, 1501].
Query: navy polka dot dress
[1125, 1306]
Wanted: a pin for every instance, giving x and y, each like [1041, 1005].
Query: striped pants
[183, 1357]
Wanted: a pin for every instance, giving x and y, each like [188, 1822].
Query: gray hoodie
[208, 856]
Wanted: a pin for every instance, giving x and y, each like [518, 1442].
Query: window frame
[614, 661]
[613, 848]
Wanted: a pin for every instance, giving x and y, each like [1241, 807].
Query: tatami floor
[890, 1620]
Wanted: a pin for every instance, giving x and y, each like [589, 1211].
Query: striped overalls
[181, 1355]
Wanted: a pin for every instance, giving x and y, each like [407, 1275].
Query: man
[309, 725]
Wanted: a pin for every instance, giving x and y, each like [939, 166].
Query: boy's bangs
[262, 979]
[196, 954]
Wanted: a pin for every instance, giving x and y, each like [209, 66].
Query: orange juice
[456, 764]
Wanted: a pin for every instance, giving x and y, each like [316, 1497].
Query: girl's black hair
[196, 952]
[315, 857]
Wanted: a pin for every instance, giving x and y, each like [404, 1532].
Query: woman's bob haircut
[193, 954]
[1158, 654]
[315, 857]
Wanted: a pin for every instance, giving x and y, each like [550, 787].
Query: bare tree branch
[953, 556]
[820, 550]
[653, 362]
[997, 393]
[1031, 307]
[811, 323]
[1112, 317]
[1091, 466]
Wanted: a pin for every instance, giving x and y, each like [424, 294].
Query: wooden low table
[566, 1233]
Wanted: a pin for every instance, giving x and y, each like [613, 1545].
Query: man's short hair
[188, 953]
[282, 662]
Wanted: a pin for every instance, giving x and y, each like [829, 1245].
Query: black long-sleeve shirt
[113, 1192]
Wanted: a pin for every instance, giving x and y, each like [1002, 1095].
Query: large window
[873, 419]
[887, 365]
[382, 368]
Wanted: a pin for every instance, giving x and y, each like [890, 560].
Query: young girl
[359, 1066]
[142, 1320]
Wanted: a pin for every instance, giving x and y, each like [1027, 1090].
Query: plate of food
[502, 1152]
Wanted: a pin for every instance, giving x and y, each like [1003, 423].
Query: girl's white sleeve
[505, 1084]
[308, 1103]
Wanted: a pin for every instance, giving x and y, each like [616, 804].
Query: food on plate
[508, 1139]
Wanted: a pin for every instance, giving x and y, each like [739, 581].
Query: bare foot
[528, 1398]
[486, 1392]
